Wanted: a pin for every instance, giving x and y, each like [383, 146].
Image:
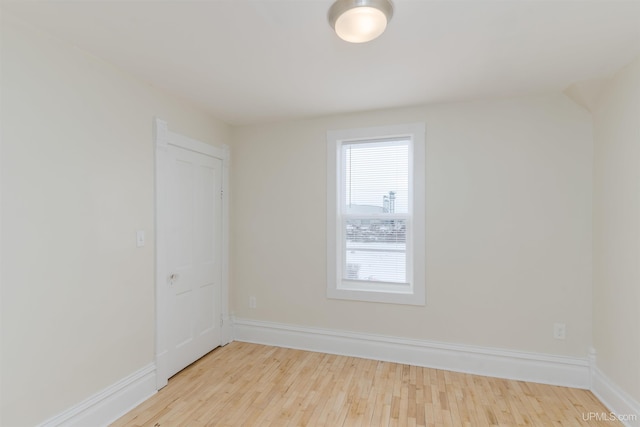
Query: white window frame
[412, 293]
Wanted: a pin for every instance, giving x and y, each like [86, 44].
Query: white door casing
[191, 250]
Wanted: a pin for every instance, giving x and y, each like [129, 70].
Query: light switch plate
[140, 238]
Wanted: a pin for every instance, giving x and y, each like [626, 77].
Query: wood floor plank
[245, 384]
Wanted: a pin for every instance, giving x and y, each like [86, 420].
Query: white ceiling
[264, 60]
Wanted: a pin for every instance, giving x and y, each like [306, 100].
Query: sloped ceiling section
[265, 60]
[586, 93]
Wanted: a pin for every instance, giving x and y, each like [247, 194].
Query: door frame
[163, 139]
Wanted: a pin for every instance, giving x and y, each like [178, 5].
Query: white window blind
[375, 210]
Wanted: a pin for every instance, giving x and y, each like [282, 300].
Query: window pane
[376, 177]
[376, 250]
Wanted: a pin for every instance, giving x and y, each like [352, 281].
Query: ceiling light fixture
[359, 21]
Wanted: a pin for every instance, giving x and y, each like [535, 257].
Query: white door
[194, 256]
[191, 288]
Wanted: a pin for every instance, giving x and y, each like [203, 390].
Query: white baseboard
[625, 408]
[540, 368]
[111, 403]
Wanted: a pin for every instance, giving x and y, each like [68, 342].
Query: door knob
[174, 277]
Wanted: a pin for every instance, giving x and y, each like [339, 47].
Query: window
[375, 214]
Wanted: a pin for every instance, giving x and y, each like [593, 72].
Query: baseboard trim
[111, 403]
[613, 397]
[540, 368]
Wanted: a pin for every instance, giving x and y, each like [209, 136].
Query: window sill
[388, 297]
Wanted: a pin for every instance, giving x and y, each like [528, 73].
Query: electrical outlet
[559, 331]
[252, 302]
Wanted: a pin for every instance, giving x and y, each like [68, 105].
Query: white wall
[617, 230]
[77, 182]
[509, 226]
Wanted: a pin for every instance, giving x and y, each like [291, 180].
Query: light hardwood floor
[245, 384]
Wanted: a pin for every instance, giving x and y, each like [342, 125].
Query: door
[190, 251]
[194, 256]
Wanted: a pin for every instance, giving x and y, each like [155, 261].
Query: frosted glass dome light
[359, 21]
